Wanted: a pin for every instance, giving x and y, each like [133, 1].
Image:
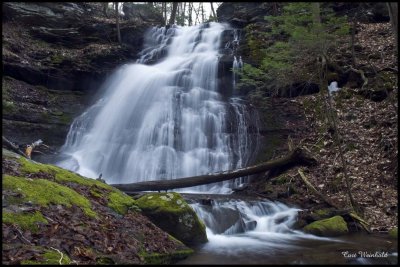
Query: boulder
[333, 226]
[170, 212]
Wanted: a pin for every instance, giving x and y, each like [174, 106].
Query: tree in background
[117, 20]
[303, 33]
[173, 13]
[394, 19]
[306, 34]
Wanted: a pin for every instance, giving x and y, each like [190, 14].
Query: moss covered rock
[58, 191]
[393, 232]
[170, 212]
[333, 226]
[27, 221]
[63, 218]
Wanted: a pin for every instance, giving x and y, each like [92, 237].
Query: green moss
[120, 202]
[104, 261]
[50, 257]
[61, 175]
[281, 179]
[44, 192]
[95, 191]
[65, 118]
[57, 59]
[27, 221]
[169, 202]
[157, 258]
[170, 212]
[334, 226]
[8, 106]
[322, 213]
[393, 232]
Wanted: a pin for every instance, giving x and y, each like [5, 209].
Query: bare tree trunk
[353, 38]
[197, 14]
[394, 16]
[213, 11]
[275, 8]
[203, 17]
[164, 12]
[183, 14]
[117, 18]
[190, 13]
[178, 9]
[173, 13]
[297, 156]
[105, 6]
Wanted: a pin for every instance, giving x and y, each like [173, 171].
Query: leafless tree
[117, 19]
[173, 13]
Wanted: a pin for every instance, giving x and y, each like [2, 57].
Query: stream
[165, 117]
[260, 232]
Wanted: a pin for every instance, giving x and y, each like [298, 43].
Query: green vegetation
[170, 212]
[118, 201]
[60, 175]
[50, 257]
[27, 221]
[8, 106]
[44, 192]
[157, 258]
[121, 203]
[393, 232]
[57, 59]
[334, 226]
[302, 30]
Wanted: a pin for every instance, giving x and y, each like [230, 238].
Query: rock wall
[55, 57]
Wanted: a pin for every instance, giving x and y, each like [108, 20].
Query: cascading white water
[257, 228]
[165, 120]
[237, 66]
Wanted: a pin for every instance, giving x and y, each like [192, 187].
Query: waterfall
[237, 66]
[163, 117]
[236, 225]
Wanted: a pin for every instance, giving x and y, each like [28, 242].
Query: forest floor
[367, 132]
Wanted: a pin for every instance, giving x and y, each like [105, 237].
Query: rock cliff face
[55, 57]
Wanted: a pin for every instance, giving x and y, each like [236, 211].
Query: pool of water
[255, 231]
[350, 249]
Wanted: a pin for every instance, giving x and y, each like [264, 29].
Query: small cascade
[232, 224]
[236, 68]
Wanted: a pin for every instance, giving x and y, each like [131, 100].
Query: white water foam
[162, 121]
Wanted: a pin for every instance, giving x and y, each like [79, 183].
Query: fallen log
[315, 191]
[295, 157]
[351, 213]
[10, 145]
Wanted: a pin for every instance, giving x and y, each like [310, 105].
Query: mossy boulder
[55, 188]
[170, 212]
[333, 226]
[393, 232]
[46, 205]
[320, 214]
